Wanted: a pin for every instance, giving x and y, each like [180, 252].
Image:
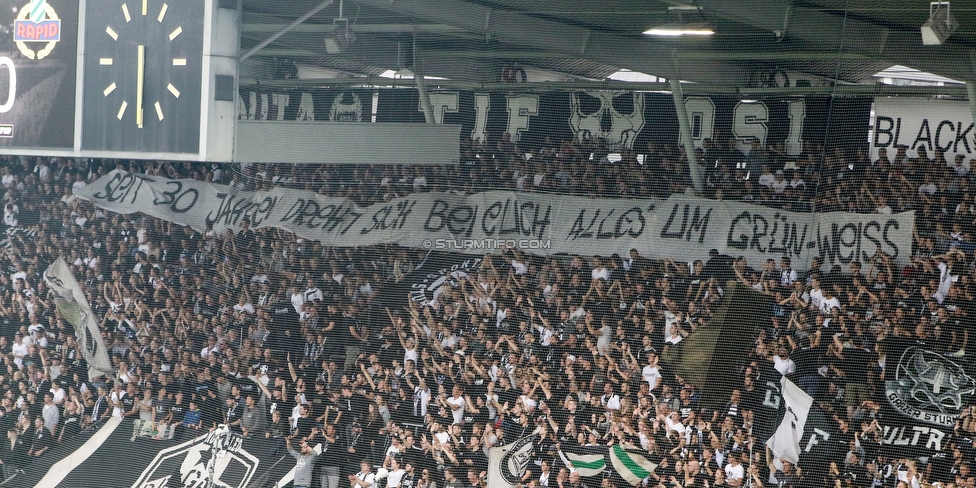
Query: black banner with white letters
[925, 395]
[622, 119]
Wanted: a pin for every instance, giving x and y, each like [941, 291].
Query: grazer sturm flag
[71, 302]
[587, 461]
[506, 464]
[630, 465]
[785, 442]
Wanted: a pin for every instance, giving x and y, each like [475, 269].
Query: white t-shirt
[117, 399]
[928, 189]
[674, 340]
[779, 186]
[393, 480]
[458, 413]
[58, 395]
[734, 472]
[652, 375]
[369, 478]
[816, 298]
[442, 437]
[611, 402]
[20, 350]
[410, 355]
[492, 414]
[784, 366]
[519, 268]
[297, 300]
[828, 303]
[945, 282]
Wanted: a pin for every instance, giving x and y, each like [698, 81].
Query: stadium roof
[757, 43]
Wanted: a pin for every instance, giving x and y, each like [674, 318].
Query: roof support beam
[518, 29]
[402, 28]
[834, 32]
[261, 45]
[958, 91]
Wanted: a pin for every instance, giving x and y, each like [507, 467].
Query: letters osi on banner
[682, 228]
[622, 119]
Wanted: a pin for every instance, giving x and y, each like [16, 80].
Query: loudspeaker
[224, 88]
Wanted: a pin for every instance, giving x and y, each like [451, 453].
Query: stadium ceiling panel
[476, 41]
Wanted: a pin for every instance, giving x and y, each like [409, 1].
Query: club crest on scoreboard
[37, 22]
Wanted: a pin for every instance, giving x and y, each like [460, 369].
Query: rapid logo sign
[37, 23]
[929, 389]
[214, 460]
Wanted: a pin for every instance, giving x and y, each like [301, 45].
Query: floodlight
[940, 25]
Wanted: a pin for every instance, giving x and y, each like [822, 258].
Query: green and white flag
[587, 461]
[630, 465]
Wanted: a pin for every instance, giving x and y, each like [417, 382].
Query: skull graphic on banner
[614, 117]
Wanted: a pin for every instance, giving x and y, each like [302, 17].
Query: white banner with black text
[930, 124]
[681, 228]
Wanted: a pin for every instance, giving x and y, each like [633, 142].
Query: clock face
[147, 52]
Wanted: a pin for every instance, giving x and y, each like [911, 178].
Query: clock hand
[140, 83]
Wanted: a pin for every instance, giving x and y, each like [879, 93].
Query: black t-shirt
[941, 463]
[41, 438]
[320, 402]
[808, 360]
[855, 364]
[305, 426]
[162, 408]
[353, 407]
[509, 395]
[212, 410]
[128, 402]
[247, 387]
[72, 425]
[344, 335]
[178, 410]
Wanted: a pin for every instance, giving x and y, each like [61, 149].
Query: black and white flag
[785, 442]
[71, 302]
[507, 464]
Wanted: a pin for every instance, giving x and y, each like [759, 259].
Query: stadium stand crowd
[284, 338]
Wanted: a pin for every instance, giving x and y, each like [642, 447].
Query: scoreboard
[38, 57]
[113, 78]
